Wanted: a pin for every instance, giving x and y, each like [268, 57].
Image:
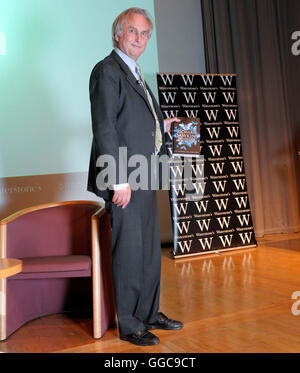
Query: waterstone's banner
[209, 201]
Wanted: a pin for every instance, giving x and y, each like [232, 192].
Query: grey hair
[119, 21]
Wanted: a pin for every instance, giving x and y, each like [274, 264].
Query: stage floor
[239, 301]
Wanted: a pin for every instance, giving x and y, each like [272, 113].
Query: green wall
[51, 48]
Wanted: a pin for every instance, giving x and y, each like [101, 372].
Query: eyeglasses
[143, 34]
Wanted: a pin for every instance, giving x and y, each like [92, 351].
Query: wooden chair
[65, 250]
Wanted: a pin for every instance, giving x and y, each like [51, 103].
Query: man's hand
[122, 197]
[168, 123]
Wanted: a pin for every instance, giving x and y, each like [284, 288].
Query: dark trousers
[136, 260]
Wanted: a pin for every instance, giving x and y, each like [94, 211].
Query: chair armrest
[44, 206]
[96, 271]
[3, 240]
[96, 233]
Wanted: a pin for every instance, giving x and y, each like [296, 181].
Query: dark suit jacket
[121, 117]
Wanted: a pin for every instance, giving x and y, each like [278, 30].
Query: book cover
[186, 137]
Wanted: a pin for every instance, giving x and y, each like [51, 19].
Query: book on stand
[186, 137]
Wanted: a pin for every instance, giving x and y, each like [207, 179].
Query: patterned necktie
[158, 135]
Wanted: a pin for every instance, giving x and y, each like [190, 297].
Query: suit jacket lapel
[131, 78]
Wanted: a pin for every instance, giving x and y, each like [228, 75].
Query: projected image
[2, 44]
[47, 52]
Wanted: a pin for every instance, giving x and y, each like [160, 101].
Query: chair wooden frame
[95, 255]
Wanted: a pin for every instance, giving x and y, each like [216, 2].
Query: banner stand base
[212, 252]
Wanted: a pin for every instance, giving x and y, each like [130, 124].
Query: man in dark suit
[126, 116]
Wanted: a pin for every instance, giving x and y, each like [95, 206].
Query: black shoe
[141, 338]
[163, 322]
